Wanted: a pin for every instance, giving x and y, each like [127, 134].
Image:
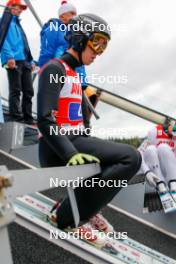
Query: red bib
[69, 111]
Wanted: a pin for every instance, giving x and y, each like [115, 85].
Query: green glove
[81, 158]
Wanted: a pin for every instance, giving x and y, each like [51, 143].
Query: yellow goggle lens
[98, 43]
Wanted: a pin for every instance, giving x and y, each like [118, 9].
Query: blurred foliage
[135, 141]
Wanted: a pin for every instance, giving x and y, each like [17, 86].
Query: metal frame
[20, 182]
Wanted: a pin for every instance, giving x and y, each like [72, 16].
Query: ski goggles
[170, 130]
[98, 43]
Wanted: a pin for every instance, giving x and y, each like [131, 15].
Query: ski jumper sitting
[159, 157]
[60, 106]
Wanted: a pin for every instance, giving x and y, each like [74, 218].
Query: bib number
[75, 112]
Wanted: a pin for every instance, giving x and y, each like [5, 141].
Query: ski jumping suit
[60, 105]
[159, 154]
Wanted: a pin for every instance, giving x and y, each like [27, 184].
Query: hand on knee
[152, 179]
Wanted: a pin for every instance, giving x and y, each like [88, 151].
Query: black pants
[20, 81]
[118, 162]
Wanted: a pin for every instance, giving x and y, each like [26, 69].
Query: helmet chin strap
[82, 48]
[80, 57]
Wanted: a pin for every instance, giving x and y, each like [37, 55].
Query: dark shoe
[16, 118]
[30, 121]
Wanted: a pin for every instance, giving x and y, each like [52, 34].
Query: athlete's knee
[164, 149]
[135, 159]
[151, 150]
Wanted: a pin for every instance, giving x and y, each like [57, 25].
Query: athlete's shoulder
[53, 65]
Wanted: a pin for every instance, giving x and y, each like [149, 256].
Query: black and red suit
[58, 106]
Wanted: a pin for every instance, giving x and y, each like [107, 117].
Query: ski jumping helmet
[88, 29]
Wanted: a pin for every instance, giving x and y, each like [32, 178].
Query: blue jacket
[53, 45]
[14, 44]
[52, 42]
[5, 21]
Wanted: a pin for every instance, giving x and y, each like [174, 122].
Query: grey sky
[145, 52]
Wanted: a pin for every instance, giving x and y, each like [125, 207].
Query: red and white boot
[98, 222]
[52, 217]
[88, 234]
[84, 232]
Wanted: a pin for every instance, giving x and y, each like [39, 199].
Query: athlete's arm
[48, 95]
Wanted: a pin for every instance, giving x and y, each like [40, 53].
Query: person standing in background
[17, 59]
[53, 43]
